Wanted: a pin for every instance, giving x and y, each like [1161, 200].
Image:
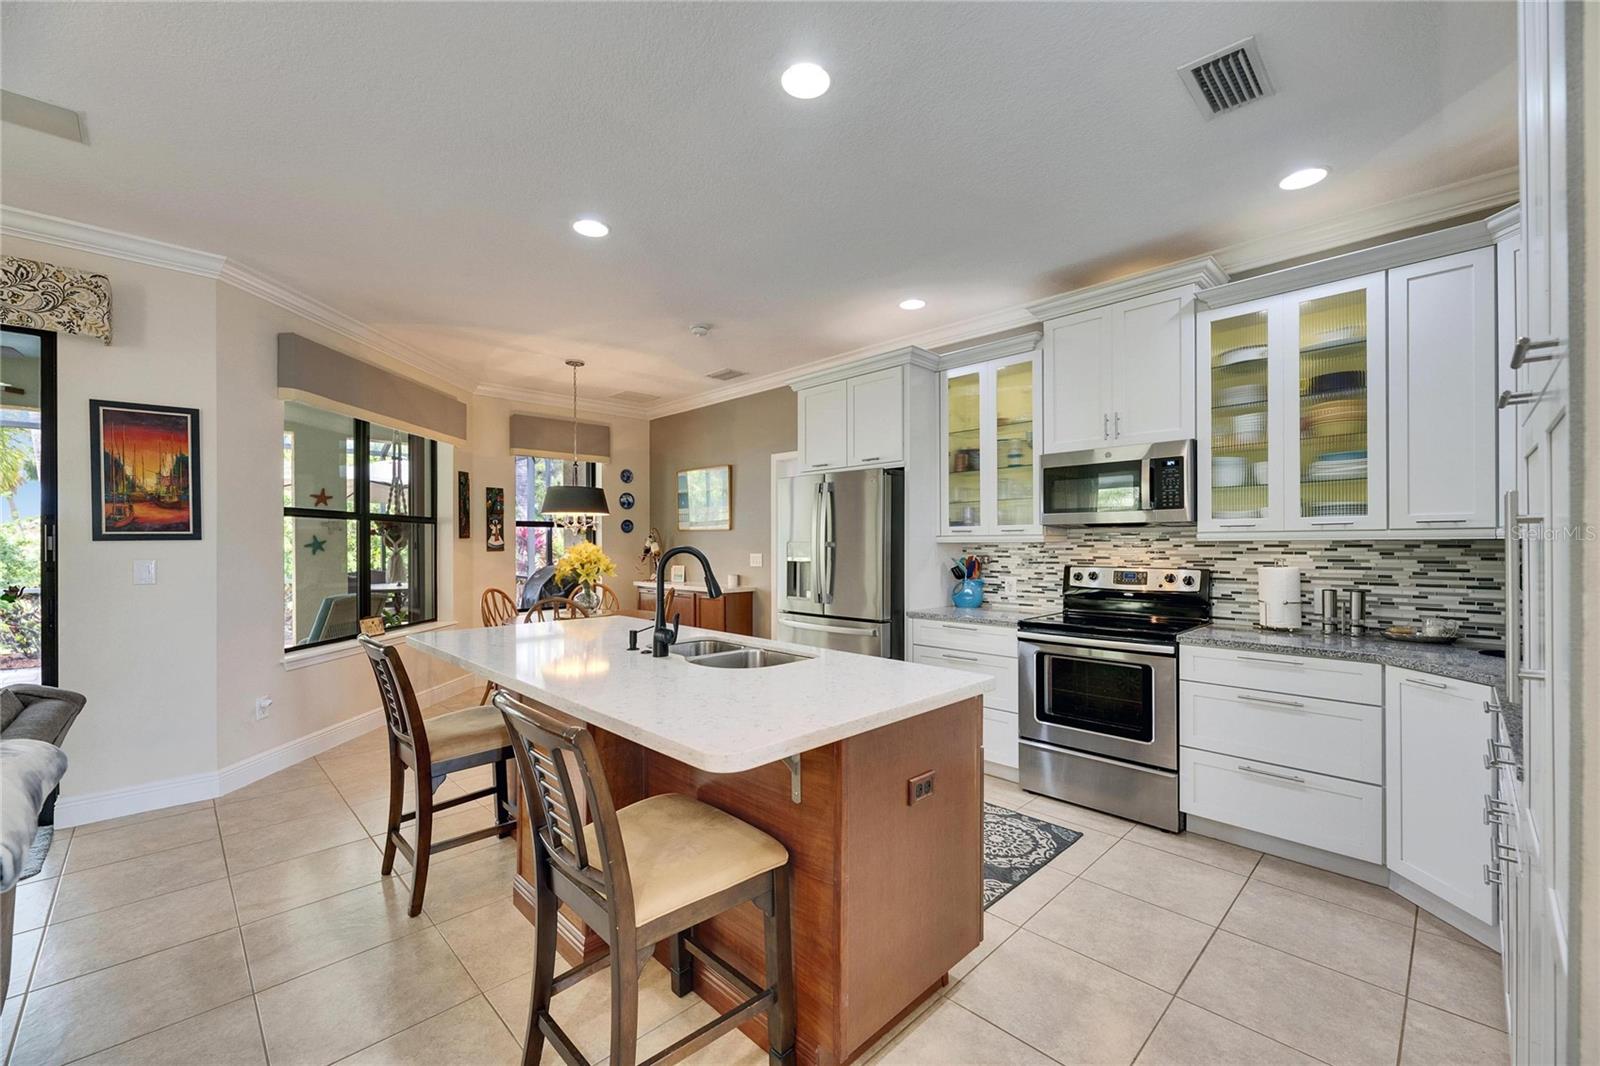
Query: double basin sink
[726, 655]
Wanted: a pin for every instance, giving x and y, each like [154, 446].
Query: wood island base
[888, 891]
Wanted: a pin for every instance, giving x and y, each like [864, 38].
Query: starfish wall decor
[321, 497]
[316, 544]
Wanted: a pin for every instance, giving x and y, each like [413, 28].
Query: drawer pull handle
[1514, 399]
[1494, 747]
[1237, 525]
[964, 629]
[1440, 521]
[1491, 763]
[1270, 662]
[1492, 876]
[1505, 853]
[1297, 779]
[1272, 703]
[1520, 356]
[1421, 681]
[959, 658]
[1498, 805]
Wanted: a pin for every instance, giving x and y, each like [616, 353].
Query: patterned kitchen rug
[1017, 846]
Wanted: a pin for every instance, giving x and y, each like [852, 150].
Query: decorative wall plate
[627, 525]
[626, 500]
[626, 475]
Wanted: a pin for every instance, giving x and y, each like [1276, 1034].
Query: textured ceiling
[417, 166]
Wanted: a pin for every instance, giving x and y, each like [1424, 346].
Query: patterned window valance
[44, 296]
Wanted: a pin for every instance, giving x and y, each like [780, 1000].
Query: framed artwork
[146, 472]
[494, 501]
[463, 504]
[705, 498]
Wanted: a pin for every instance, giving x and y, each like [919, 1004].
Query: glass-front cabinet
[991, 480]
[1292, 399]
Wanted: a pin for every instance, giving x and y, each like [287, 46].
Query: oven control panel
[1139, 579]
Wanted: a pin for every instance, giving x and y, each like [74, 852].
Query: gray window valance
[316, 374]
[544, 435]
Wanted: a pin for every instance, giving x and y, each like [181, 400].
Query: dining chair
[557, 608]
[639, 876]
[497, 608]
[431, 749]
[609, 601]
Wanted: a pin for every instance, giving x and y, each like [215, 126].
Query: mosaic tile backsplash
[1406, 581]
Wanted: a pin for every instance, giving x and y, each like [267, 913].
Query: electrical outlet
[919, 788]
[263, 707]
[755, 558]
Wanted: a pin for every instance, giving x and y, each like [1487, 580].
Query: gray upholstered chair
[39, 712]
[30, 770]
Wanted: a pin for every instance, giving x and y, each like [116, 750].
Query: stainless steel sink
[747, 658]
[706, 646]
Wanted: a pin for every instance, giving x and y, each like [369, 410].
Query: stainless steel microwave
[1128, 485]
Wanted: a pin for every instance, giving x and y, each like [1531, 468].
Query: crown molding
[1419, 209]
[1507, 223]
[1403, 252]
[910, 355]
[1004, 348]
[83, 237]
[555, 402]
[1202, 272]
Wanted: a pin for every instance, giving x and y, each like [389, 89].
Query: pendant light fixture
[574, 507]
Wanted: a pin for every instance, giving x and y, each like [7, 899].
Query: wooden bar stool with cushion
[497, 608]
[445, 743]
[638, 876]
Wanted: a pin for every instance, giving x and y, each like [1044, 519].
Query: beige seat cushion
[468, 732]
[681, 850]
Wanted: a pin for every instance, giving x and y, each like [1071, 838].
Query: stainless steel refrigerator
[843, 580]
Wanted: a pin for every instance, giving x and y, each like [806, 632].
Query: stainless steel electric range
[1099, 690]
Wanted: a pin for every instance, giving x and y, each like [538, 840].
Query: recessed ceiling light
[591, 227]
[913, 304]
[1303, 179]
[806, 81]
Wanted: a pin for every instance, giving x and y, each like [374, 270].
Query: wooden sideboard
[732, 612]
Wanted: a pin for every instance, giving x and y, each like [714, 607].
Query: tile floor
[257, 929]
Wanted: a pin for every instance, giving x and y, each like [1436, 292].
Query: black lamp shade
[574, 499]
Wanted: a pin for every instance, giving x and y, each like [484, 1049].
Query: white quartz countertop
[722, 721]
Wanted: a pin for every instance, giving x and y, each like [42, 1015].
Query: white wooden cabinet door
[877, 417]
[1436, 737]
[824, 421]
[1510, 323]
[1442, 376]
[1542, 93]
[1241, 456]
[1152, 368]
[1077, 382]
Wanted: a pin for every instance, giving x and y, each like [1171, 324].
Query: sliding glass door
[28, 564]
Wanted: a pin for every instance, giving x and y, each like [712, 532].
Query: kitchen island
[819, 753]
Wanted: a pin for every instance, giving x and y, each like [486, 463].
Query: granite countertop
[1461, 661]
[723, 721]
[983, 616]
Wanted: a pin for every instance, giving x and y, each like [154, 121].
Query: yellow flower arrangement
[586, 564]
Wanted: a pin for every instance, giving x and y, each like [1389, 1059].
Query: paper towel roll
[1279, 597]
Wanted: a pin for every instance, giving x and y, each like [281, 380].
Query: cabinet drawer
[1329, 679]
[1326, 736]
[1344, 817]
[965, 636]
[1003, 669]
[1000, 737]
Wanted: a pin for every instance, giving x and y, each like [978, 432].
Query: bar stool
[638, 876]
[442, 745]
[497, 609]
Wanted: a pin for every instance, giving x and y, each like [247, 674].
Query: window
[359, 537]
[539, 543]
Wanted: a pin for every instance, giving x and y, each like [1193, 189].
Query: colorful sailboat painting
[146, 475]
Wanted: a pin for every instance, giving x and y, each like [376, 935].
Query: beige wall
[144, 655]
[742, 433]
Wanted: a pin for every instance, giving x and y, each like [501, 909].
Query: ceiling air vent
[726, 374]
[1228, 79]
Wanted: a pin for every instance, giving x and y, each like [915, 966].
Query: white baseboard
[154, 795]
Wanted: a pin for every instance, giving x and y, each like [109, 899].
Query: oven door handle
[1090, 643]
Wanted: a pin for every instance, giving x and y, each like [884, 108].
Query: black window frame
[365, 518]
[590, 472]
[49, 509]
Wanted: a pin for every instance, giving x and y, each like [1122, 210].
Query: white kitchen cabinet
[824, 426]
[1327, 736]
[1293, 401]
[1542, 95]
[877, 424]
[989, 412]
[1122, 373]
[1511, 315]
[984, 649]
[1442, 433]
[1436, 737]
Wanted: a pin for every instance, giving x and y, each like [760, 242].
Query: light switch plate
[144, 571]
[755, 558]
